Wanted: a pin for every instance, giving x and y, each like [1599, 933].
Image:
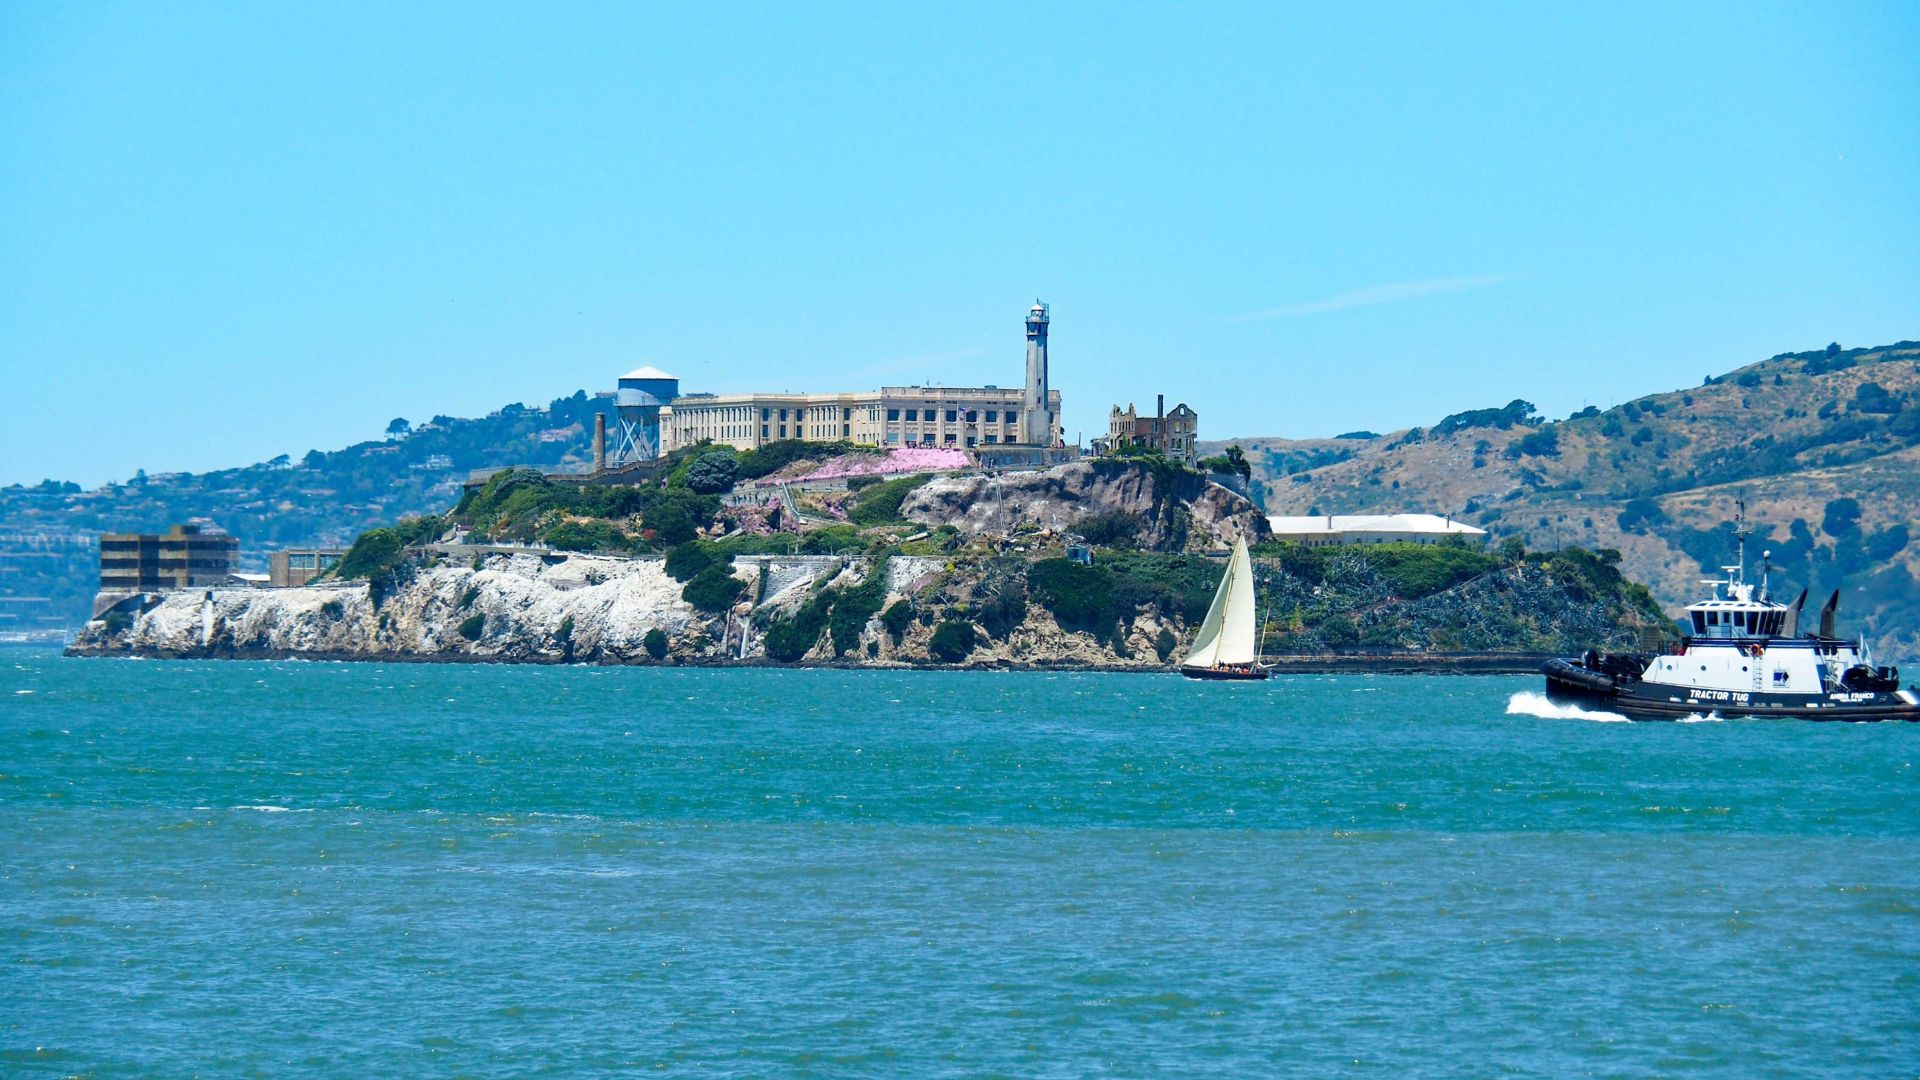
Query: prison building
[183, 557]
[945, 416]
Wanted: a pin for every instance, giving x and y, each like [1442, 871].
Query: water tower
[637, 403]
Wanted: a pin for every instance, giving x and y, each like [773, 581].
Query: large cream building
[947, 416]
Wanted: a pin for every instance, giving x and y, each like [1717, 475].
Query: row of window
[1707, 623]
[950, 439]
[972, 415]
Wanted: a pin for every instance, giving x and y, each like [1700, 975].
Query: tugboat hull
[1571, 683]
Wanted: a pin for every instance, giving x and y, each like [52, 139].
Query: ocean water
[352, 870]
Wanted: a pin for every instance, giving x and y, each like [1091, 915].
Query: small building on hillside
[1175, 434]
[1324, 530]
[183, 557]
[297, 566]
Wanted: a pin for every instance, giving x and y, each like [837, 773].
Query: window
[763, 430]
[1013, 416]
[913, 414]
[766, 414]
[993, 416]
[991, 438]
[893, 436]
[972, 417]
[783, 431]
[893, 414]
[951, 437]
[783, 414]
[301, 562]
[846, 414]
[950, 416]
[846, 430]
[971, 441]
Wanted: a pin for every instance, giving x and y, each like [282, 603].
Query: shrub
[333, 609]
[564, 635]
[853, 607]
[789, 639]
[879, 504]
[1515, 412]
[1871, 397]
[953, 641]
[1882, 546]
[897, 618]
[585, 536]
[671, 524]
[473, 626]
[466, 598]
[655, 642]
[714, 589]
[775, 456]
[1542, 443]
[1078, 596]
[1842, 518]
[1116, 528]
[1747, 379]
[1641, 515]
[118, 622]
[685, 561]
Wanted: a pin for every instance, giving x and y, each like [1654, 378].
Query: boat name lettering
[1698, 694]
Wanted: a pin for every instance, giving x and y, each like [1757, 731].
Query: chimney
[1160, 413]
[599, 443]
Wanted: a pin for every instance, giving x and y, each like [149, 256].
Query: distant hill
[1823, 445]
[48, 558]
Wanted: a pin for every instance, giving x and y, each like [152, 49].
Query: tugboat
[1225, 647]
[1744, 655]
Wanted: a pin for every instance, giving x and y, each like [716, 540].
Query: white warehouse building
[1321, 530]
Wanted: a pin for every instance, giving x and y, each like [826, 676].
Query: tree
[713, 473]
[655, 643]
[398, 427]
[953, 641]
[1842, 518]
[1513, 549]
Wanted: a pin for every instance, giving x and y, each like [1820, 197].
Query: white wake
[1528, 703]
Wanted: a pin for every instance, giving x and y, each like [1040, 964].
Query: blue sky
[232, 232]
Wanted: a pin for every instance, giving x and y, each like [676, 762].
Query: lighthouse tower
[1036, 421]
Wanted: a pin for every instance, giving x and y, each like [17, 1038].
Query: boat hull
[1570, 683]
[1228, 674]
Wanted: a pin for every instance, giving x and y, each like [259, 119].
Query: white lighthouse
[1036, 421]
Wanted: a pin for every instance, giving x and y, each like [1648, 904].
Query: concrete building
[297, 566]
[1175, 434]
[1324, 530]
[183, 557]
[961, 417]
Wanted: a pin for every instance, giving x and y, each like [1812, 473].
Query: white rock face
[528, 609]
[581, 608]
[1058, 498]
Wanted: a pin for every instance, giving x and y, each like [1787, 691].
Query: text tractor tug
[1744, 655]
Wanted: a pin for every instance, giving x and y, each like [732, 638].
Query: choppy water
[352, 870]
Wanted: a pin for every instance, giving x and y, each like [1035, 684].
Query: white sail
[1227, 634]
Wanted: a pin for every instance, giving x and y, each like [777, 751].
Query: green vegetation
[712, 473]
[896, 619]
[1116, 528]
[655, 642]
[564, 635]
[953, 641]
[1103, 599]
[714, 589]
[1516, 412]
[118, 622]
[1408, 571]
[879, 504]
[843, 611]
[473, 626]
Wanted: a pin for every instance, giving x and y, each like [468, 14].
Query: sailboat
[1225, 645]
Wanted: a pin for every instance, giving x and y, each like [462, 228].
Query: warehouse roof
[1372, 523]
